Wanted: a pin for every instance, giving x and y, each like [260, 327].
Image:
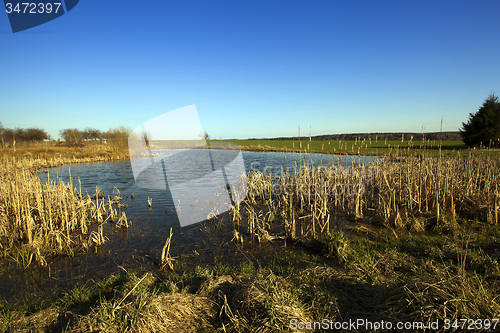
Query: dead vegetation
[412, 193]
[231, 303]
[44, 218]
[377, 280]
[423, 268]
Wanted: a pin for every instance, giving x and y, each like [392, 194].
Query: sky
[254, 68]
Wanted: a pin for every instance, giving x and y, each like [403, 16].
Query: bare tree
[204, 136]
[72, 136]
[118, 136]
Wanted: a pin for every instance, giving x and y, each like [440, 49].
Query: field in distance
[363, 147]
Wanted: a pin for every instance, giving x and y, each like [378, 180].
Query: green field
[362, 147]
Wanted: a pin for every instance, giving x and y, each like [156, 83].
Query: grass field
[362, 147]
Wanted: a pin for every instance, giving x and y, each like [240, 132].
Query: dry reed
[399, 192]
[46, 216]
[166, 258]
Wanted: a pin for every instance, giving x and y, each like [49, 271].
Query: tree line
[76, 137]
[445, 136]
[70, 136]
[9, 135]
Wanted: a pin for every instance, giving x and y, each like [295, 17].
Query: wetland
[316, 236]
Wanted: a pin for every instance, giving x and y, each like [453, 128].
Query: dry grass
[450, 295]
[270, 301]
[374, 277]
[42, 218]
[229, 303]
[411, 193]
[51, 151]
[166, 258]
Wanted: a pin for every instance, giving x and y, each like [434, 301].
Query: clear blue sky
[254, 68]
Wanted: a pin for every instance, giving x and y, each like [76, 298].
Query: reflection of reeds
[43, 217]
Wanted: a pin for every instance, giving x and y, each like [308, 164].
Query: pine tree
[483, 127]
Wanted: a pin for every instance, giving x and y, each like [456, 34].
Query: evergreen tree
[483, 127]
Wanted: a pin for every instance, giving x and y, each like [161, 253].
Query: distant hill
[445, 136]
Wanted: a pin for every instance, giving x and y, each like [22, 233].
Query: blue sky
[254, 68]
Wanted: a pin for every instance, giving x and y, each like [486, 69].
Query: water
[139, 247]
[120, 175]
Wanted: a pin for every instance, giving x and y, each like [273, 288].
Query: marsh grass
[409, 193]
[336, 244]
[422, 244]
[44, 218]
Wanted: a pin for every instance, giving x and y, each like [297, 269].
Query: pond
[139, 246]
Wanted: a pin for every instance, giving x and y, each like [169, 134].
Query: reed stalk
[45, 217]
[397, 193]
[166, 258]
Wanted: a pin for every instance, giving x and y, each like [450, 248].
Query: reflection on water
[139, 246]
[202, 182]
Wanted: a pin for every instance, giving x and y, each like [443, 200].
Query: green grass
[379, 147]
